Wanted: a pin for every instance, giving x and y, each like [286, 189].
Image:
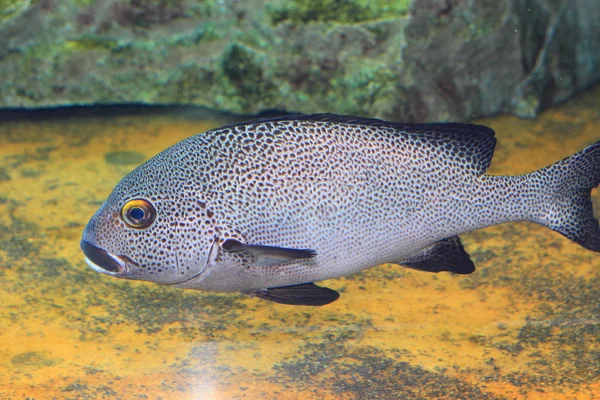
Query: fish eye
[138, 213]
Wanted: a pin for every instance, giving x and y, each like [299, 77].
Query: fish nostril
[101, 258]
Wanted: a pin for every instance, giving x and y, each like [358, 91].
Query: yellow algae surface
[524, 325]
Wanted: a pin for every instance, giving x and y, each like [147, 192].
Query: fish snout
[104, 262]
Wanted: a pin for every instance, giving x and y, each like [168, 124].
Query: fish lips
[104, 262]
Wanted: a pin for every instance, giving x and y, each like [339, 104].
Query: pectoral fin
[268, 255]
[445, 255]
[307, 294]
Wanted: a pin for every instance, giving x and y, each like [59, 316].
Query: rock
[409, 60]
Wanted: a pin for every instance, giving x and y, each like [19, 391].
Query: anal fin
[307, 294]
[445, 255]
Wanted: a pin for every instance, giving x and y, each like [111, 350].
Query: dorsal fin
[472, 144]
[373, 122]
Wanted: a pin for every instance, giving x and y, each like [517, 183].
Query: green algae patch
[10, 9]
[4, 175]
[124, 157]
[90, 43]
[151, 309]
[559, 339]
[33, 359]
[245, 70]
[365, 86]
[342, 368]
[146, 13]
[17, 240]
[345, 11]
[564, 329]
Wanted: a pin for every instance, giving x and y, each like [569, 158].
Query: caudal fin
[568, 184]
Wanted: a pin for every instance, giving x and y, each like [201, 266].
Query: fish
[269, 207]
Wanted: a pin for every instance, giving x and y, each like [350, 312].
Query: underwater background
[132, 77]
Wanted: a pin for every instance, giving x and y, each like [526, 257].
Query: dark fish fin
[373, 122]
[268, 255]
[570, 182]
[472, 144]
[307, 294]
[445, 255]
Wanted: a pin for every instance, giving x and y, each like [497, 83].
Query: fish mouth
[104, 262]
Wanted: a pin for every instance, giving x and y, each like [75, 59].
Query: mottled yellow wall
[524, 325]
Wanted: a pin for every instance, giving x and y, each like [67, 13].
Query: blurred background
[405, 60]
[89, 89]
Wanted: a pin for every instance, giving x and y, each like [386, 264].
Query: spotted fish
[269, 207]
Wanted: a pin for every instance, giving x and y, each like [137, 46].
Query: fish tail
[567, 185]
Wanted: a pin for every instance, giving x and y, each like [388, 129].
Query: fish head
[149, 229]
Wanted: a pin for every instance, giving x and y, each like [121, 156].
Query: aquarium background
[90, 89]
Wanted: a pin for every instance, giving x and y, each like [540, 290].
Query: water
[524, 325]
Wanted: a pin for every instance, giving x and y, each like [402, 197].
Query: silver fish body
[268, 207]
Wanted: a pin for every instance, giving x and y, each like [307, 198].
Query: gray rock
[419, 60]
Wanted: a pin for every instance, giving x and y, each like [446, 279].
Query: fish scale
[268, 207]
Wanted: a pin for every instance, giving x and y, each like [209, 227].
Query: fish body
[268, 207]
